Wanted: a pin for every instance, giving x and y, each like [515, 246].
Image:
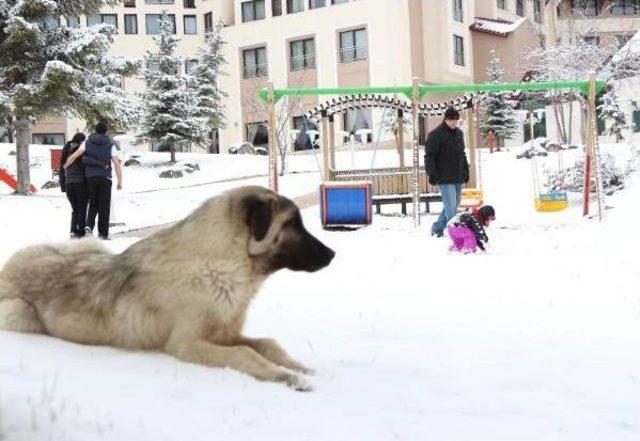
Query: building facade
[337, 43]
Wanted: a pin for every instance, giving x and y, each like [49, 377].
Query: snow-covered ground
[538, 339]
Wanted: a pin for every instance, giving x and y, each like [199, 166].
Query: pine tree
[497, 113]
[49, 68]
[169, 105]
[609, 110]
[206, 73]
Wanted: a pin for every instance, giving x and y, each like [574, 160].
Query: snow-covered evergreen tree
[497, 113]
[170, 103]
[611, 112]
[49, 68]
[206, 73]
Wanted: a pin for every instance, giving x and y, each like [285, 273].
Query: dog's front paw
[297, 383]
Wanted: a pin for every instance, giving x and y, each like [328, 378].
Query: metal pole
[400, 137]
[415, 99]
[473, 179]
[332, 145]
[273, 142]
[325, 146]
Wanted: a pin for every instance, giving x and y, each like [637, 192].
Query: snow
[494, 26]
[631, 48]
[538, 339]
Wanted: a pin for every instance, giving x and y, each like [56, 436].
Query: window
[208, 22]
[189, 65]
[586, 7]
[501, 4]
[189, 4]
[190, 25]
[276, 7]
[73, 21]
[295, 6]
[152, 23]
[356, 119]
[520, 8]
[129, 3]
[252, 10]
[622, 40]
[159, 2]
[303, 54]
[457, 11]
[108, 19]
[595, 41]
[51, 23]
[317, 4]
[255, 62]
[458, 50]
[353, 45]
[337, 2]
[635, 116]
[257, 133]
[48, 138]
[130, 24]
[537, 11]
[626, 7]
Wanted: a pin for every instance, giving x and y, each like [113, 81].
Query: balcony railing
[302, 62]
[255, 70]
[159, 2]
[353, 53]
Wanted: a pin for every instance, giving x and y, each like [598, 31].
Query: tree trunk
[172, 150]
[23, 134]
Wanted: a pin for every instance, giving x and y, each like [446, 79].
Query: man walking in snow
[446, 166]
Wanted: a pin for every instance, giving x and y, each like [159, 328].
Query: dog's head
[277, 236]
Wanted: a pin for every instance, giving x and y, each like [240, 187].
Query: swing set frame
[415, 93]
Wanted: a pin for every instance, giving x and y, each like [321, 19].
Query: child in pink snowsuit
[467, 230]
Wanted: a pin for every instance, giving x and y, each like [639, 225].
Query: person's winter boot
[87, 231]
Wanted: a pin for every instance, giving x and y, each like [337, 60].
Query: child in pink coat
[467, 230]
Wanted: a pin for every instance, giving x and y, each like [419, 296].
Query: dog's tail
[16, 314]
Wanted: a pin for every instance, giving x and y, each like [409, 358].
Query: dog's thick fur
[184, 290]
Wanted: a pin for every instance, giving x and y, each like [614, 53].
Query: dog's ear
[259, 212]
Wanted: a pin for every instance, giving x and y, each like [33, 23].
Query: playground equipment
[345, 203]
[411, 179]
[12, 182]
[553, 200]
[473, 197]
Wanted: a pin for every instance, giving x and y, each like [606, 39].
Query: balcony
[255, 70]
[302, 62]
[353, 53]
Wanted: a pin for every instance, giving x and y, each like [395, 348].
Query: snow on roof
[495, 26]
[631, 48]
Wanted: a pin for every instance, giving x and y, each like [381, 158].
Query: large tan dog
[184, 290]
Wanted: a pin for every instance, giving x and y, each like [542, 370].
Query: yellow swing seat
[471, 198]
[552, 201]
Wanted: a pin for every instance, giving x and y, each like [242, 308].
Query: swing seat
[471, 198]
[552, 201]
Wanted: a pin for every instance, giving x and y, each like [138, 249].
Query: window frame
[194, 20]
[135, 16]
[253, 4]
[257, 73]
[308, 58]
[457, 11]
[458, 55]
[146, 23]
[355, 47]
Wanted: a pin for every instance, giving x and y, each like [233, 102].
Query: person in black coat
[446, 166]
[74, 184]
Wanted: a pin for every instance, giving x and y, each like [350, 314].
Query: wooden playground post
[473, 176]
[591, 99]
[273, 143]
[332, 144]
[415, 185]
[400, 137]
[325, 146]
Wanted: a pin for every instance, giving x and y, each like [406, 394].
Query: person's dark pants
[100, 201]
[77, 195]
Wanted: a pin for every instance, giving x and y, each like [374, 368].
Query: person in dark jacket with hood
[99, 153]
[74, 184]
[447, 167]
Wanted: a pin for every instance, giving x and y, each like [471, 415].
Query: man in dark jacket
[447, 167]
[101, 152]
